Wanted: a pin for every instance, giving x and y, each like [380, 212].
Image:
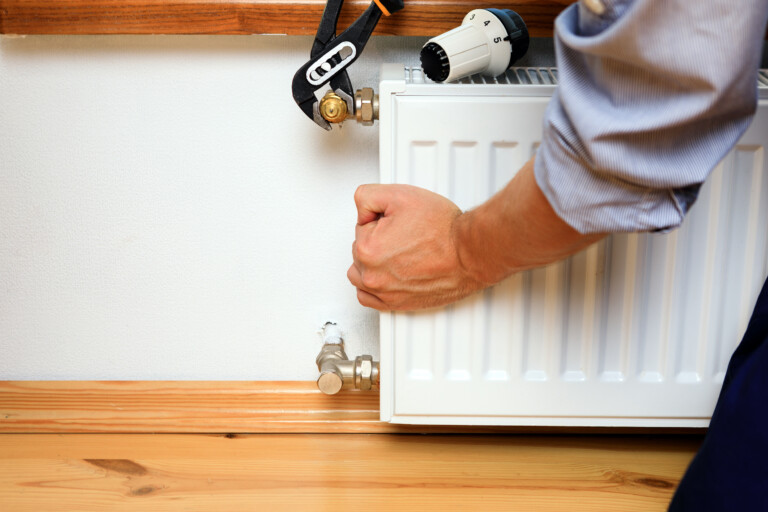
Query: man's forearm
[515, 230]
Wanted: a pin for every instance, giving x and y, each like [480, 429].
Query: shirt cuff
[591, 202]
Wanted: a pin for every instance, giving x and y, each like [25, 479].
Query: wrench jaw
[304, 94]
[318, 118]
[331, 55]
[322, 121]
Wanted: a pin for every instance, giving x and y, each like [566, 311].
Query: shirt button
[597, 7]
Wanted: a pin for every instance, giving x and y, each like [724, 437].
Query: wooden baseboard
[208, 407]
[182, 407]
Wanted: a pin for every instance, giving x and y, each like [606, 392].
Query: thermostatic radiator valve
[337, 371]
[488, 41]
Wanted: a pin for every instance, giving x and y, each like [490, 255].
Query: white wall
[166, 211]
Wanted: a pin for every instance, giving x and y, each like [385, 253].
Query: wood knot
[143, 491]
[124, 466]
[656, 483]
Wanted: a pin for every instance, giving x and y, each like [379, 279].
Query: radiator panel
[636, 330]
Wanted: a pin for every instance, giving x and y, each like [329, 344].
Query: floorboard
[194, 472]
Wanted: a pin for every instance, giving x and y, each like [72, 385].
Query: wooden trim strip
[212, 407]
[419, 18]
[182, 407]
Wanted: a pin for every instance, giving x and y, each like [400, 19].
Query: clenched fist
[405, 254]
[415, 249]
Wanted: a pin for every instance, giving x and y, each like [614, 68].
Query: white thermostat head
[488, 41]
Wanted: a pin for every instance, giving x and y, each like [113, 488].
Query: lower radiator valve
[337, 371]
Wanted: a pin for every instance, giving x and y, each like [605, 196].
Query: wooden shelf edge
[80, 17]
[213, 407]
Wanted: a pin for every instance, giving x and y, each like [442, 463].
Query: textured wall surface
[166, 211]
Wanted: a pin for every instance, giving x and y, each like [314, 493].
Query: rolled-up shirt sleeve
[653, 94]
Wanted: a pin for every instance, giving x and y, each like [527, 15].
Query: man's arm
[652, 95]
[414, 249]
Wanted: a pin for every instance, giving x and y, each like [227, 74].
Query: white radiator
[635, 331]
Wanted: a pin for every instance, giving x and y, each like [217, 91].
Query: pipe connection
[364, 108]
[337, 371]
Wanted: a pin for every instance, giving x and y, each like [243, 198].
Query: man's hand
[415, 249]
[404, 252]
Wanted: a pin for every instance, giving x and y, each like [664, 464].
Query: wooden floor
[367, 472]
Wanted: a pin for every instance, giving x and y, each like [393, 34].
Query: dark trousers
[730, 472]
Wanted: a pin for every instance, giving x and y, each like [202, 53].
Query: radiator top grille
[514, 76]
[525, 76]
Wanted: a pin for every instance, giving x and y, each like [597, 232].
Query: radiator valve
[488, 41]
[335, 108]
[337, 371]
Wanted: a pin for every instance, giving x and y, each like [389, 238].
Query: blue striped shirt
[653, 94]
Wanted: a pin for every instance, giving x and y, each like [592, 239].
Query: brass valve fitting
[333, 108]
